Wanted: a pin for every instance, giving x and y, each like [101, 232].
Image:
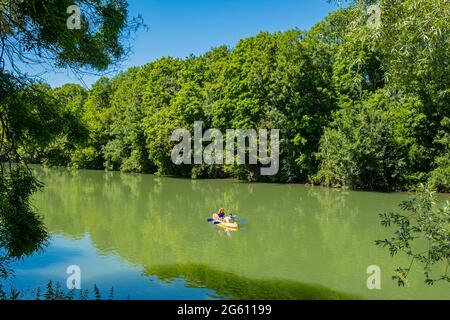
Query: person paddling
[221, 213]
[223, 217]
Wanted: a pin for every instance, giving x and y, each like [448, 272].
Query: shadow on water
[231, 286]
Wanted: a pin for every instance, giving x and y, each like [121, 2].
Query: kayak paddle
[240, 220]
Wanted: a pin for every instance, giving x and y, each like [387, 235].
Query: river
[148, 237]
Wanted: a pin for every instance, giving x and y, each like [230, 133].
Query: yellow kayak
[227, 225]
[222, 224]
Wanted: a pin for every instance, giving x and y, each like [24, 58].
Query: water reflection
[231, 286]
[295, 235]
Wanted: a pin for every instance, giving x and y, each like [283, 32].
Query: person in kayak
[221, 213]
[224, 217]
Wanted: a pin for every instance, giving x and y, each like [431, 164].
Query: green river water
[148, 238]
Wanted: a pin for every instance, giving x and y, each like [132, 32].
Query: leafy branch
[422, 223]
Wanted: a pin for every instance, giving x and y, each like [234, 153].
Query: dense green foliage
[360, 107]
[36, 120]
[423, 233]
[397, 74]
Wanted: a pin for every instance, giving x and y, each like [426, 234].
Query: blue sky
[179, 28]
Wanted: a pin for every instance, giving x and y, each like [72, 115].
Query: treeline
[358, 105]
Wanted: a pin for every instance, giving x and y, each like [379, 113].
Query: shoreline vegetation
[358, 107]
[54, 291]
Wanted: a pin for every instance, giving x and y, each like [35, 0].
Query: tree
[126, 149]
[70, 99]
[404, 58]
[440, 177]
[97, 116]
[36, 31]
[371, 143]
